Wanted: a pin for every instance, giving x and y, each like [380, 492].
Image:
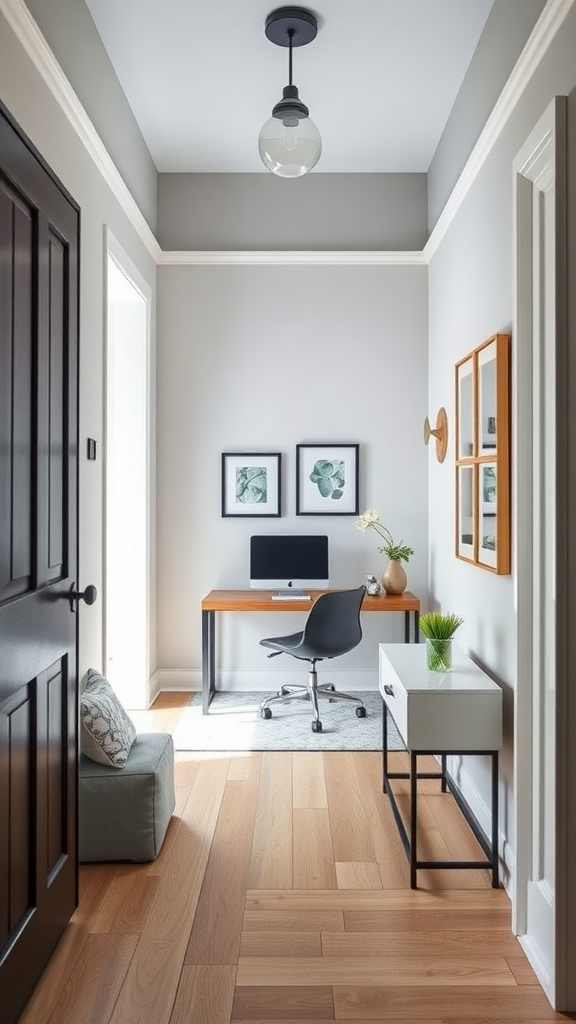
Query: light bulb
[290, 138]
[289, 147]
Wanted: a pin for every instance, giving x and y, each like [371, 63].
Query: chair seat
[279, 643]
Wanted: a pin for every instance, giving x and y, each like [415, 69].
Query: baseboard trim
[165, 679]
[177, 679]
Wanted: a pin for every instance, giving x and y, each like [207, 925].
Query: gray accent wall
[507, 29]
[72, 36]
[318, 211]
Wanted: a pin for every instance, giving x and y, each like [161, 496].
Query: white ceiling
[380, 78]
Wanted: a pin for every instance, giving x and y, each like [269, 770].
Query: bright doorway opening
[127, 497]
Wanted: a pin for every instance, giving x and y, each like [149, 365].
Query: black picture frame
[327, 479]
[251, 484]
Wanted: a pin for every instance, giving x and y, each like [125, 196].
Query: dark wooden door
[39, 226]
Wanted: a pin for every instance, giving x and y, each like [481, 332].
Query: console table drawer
[458, 710]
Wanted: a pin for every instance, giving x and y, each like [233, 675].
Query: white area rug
[234, 723]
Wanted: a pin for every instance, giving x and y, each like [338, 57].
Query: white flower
[396, 551]
[369, 518]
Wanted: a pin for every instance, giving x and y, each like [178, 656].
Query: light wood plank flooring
[281, 894]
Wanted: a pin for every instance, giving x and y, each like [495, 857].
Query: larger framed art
[327, 478]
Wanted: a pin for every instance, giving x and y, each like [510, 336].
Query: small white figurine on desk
[373, 586]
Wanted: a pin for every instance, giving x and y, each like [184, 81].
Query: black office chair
[331, 629]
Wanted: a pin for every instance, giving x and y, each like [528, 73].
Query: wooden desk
[443, 713]
[261, 601]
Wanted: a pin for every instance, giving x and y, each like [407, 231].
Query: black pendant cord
[290, 38]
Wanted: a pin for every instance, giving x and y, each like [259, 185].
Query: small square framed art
[251, 484]
[327, 478]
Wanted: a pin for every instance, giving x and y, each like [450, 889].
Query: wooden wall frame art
[483, 456]
[327, 479]
[251, 484]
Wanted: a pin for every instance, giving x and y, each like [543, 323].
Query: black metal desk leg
[413, 818]
[406, 627]
[495, 881]
[384, 744]
[208, 675]
[416, 626]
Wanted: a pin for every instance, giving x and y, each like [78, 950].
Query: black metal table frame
[209, 644]
[410, 840]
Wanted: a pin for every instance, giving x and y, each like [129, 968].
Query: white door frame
[545, 716]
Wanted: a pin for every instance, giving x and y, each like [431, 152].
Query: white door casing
[540, 413]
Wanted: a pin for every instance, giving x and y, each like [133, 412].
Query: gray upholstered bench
[124, 812]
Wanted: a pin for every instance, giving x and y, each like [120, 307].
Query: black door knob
[88, 595]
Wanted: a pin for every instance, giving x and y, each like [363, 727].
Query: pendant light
[289, 142]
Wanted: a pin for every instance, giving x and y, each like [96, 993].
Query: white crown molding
[34, 44]
[283, 258]
[544, 31]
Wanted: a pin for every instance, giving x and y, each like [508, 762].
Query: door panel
[16, 305]
[39, 227]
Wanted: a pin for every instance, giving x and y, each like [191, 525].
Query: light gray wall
[507, 28]
[257, 358]
[32, 105]
[317, 211]
[471, 297]
[72, 36]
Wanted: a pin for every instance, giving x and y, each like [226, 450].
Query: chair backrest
[333, 624]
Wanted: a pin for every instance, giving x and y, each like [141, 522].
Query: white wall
[262, 358]
[471, 297]
[25, 95]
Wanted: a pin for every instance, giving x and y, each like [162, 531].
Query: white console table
[457, 712]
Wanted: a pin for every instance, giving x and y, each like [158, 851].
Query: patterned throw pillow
[107, 731]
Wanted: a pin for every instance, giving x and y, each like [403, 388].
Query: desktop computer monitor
[291, 563]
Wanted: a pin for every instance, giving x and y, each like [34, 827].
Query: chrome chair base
[311, 692]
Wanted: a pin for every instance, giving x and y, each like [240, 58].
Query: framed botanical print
[327, 477]
[251, 484]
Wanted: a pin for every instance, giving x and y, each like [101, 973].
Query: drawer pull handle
[388, 689]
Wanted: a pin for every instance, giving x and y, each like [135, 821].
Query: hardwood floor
[281, 894]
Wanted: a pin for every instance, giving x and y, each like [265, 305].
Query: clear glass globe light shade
[289, 150]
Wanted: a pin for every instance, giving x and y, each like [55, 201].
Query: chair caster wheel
[316, 725]
[266, 713]
[361, 712]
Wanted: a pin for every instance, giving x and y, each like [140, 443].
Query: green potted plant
[439, 631]
[394, 576]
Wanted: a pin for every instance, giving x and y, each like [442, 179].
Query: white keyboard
[291, 597]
